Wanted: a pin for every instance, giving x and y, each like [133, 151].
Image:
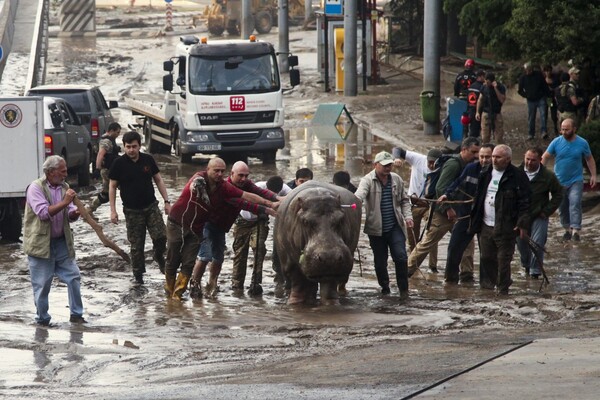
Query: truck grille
[232, 139]
[240, 118]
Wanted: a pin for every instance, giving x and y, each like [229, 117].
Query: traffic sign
[333, 7]
[1, 53]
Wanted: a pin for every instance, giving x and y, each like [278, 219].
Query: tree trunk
[455, 41]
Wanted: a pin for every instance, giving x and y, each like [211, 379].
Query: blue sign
[1, 53]
[168, 1]
[334, 7]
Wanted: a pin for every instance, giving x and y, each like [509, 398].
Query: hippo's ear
[300, 203]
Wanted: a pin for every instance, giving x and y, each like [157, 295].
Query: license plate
[208, 147]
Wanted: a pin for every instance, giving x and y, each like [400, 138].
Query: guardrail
[36, 74]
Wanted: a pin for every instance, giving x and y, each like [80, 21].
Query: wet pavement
[138, 344]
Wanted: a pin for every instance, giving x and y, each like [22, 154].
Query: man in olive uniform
[570, 99]
[109, 151]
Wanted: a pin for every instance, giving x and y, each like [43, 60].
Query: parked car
[89, 104]
[66, 136]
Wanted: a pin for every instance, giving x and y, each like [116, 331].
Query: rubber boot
[402, 278]
[212, 288]
[169, 285]
[255, 285]
[180, 286]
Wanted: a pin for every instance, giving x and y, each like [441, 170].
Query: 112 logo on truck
[237, 103]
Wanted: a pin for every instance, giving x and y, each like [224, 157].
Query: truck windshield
[229, 75]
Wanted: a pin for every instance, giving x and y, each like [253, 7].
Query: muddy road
[139, 345]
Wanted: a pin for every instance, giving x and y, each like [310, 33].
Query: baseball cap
[574, 70]
[434, 154]
[384, 158]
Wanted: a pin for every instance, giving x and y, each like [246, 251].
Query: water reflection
[40, 356]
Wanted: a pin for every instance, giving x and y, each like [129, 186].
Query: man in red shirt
[206, 196]
[212, 248]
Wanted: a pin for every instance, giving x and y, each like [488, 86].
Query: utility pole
[350, 48]
[284, 35]
[307, 11]
[431, 61]
[247, 19]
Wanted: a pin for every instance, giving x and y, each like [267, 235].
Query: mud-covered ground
[138, 344]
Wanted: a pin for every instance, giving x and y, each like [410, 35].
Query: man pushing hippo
[388, 214]
[205, 197]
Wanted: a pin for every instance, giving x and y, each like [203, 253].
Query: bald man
[206, 197]
[212, 249]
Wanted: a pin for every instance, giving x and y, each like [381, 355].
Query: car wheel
[83, 173]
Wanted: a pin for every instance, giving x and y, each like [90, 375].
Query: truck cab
[225, 97]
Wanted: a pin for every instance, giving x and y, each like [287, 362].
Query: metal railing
[36, 74]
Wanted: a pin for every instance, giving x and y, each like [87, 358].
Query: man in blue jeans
[388, 214]
[568, 150]
[546, 196]
[48, 240]
[533, 87]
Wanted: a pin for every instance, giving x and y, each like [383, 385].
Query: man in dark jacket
[533, 87]
[546, 196]
[499, 214]
[461, 240]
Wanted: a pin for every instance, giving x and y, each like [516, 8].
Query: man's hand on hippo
[410, 223]
[275, 205]
[271, 212]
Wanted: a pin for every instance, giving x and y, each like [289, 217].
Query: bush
[591, 133]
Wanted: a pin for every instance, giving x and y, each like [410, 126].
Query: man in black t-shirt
[133, 174]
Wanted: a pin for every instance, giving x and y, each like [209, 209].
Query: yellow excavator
[224, 15]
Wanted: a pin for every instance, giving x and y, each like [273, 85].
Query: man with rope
[461, 247]
[441, 223]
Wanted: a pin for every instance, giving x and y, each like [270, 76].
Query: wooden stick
[98, 229]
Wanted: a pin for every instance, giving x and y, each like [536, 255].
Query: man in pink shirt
[48, 240]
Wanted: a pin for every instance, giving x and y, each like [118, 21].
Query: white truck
[229, 101]
[22, 154]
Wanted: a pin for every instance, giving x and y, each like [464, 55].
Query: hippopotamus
[316, 232]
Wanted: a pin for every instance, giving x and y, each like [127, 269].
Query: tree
[555, 30]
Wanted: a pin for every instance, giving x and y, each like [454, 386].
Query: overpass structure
[24, 41]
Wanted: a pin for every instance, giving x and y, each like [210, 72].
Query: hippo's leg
[341, 288]
[300, 287]
[329, 293]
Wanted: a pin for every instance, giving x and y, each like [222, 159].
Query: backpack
[434, 176]
[562, 99]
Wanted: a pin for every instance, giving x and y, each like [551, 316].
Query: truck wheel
[83, 173]
[11, 221]
[215, 27]
[263, 22]
[233, 28]
[183, 158]
[147, 130]
[268, 157]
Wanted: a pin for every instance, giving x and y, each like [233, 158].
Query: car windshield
[78, 100]
[232, 75]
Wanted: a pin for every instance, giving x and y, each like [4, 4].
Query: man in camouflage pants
[133, 173]
[251, 230]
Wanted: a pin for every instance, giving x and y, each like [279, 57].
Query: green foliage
[591, 133]
[482, 19]
[546, 31]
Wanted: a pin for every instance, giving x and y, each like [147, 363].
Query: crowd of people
[477, 193]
